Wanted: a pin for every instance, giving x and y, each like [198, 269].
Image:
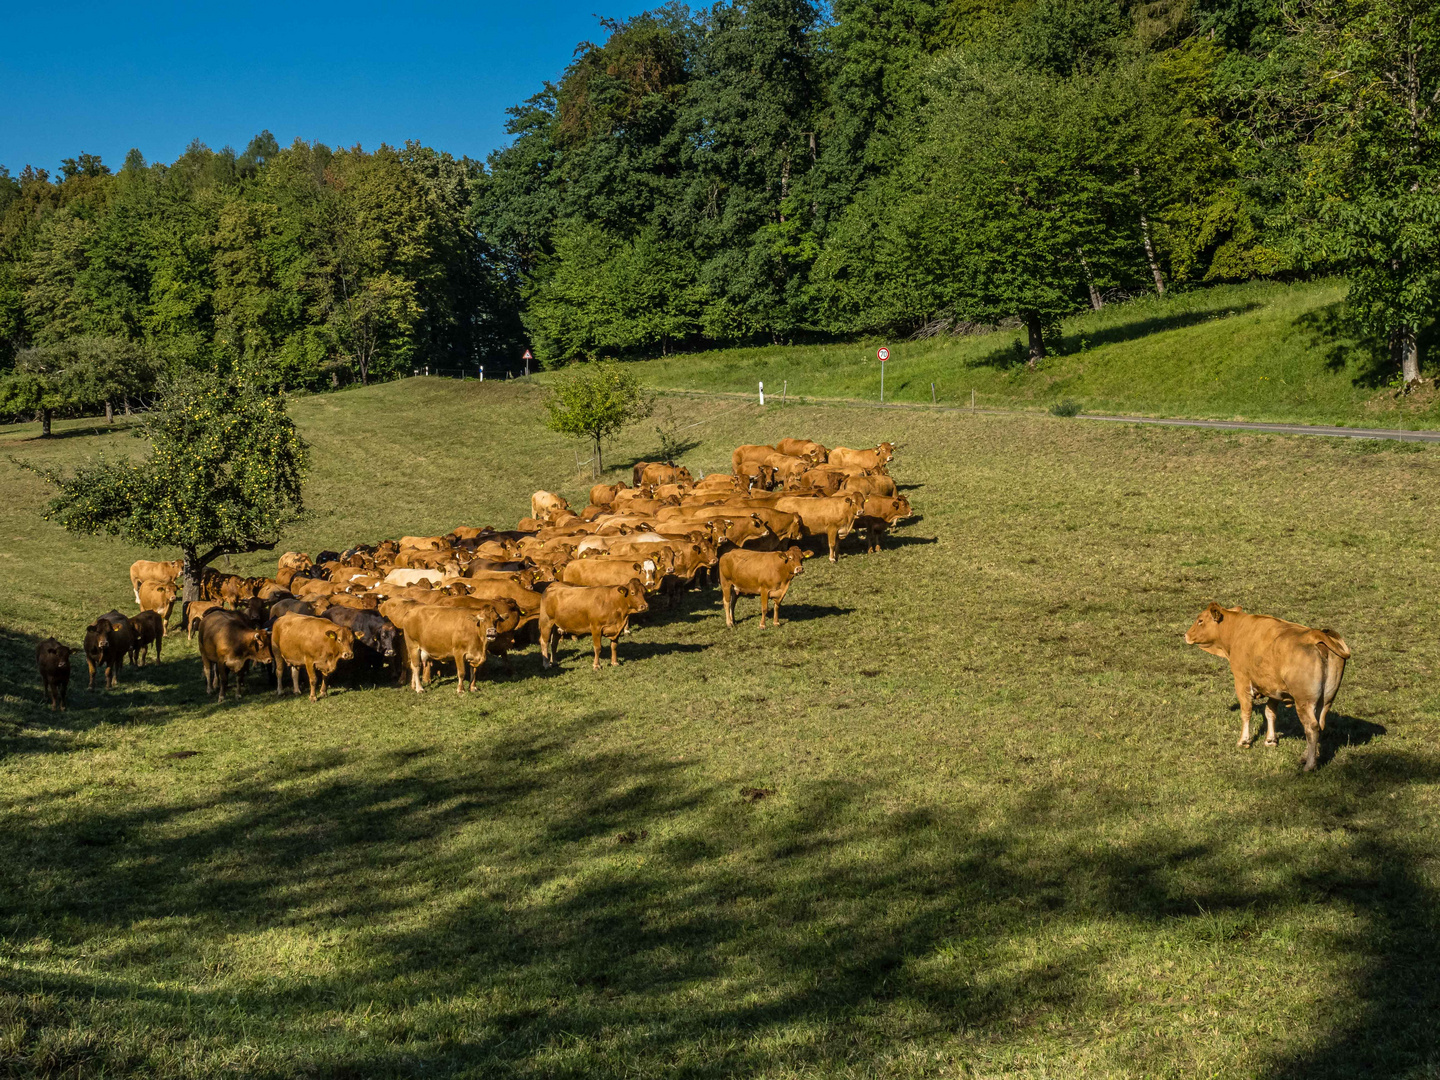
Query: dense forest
[768, 170]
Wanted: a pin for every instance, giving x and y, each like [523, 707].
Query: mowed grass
[1259, 351]
[1005, 828]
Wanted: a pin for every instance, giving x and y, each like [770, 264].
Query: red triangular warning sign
[527, 355]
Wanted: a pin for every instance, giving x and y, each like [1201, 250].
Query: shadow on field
[1340, 730]
[1012, 355]
[531, 907]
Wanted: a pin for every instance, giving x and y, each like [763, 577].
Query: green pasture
[1258, 351]
[972, 810]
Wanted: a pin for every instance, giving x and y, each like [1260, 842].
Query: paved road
[1396, 434]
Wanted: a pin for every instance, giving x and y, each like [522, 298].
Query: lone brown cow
[766, 574]
[601, 612]
[1276, 660]
[315, 644]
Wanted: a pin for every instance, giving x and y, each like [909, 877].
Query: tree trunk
[45, 423]
[598, 467]
[1096, 300]
[1037, 337]
[190, 575]
[1407, 350]
[127, 406]
[1145, 235]
[110, 412]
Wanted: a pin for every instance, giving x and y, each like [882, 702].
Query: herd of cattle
[407, 604]
[410, 603]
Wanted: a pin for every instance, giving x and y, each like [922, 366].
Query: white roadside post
[482, 372]
[762, 393]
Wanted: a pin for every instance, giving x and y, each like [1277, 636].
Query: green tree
[223, 477]
[42, 382]
[596, 401]
[1371, 178]
[106, 370]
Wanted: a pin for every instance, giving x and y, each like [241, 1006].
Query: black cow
[53, 660]
[377, 639]
[289, 606]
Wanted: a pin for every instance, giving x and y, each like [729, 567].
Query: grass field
[1006, 830]
[1260, 351]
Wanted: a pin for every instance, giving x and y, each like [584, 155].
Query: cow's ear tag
[332, 635]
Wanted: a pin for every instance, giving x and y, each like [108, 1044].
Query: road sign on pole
[883, 354]
[527, 358]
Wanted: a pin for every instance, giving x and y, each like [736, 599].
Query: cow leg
[460, 667]
[727, 600]
[310, 678]
[833, 537]
[222, 672]
[1272, 707]
[1242, 695]
[775, 620]
[764, 606]
[157, 651]
[596, 638]
[1306, 712]
[414, 658]
[614, 659]
[279, 677]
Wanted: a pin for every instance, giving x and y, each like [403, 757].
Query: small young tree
[106, 370]
[223, 477]
[596, 401]
[42, 382]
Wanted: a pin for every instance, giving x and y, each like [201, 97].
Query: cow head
[256, 645]
[885, 452]
[1208, 630]
[794, 557]
[632, 596]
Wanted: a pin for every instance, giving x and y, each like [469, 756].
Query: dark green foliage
[303, 266]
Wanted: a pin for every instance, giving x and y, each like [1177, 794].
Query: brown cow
[107, 642]
[315, 644]
[160, 572]
[1276, 660]
[546, 506]
[803, 448]
[825, 480]
[53, 660]
[766, 574]
[748, 452]
[192, 611]
[871, 485]
[611, 570]
[442, 633]
[604, 494]
[878, 516]
[864, 459]
[145, 628]
[601, 612]
[157, 597]
[293, 560]
[230, 642]
[832, 516]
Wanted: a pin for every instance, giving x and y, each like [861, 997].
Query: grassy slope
[1010, 832]
[1257, 352]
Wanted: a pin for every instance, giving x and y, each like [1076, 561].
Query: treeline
[297, 267]
[766, 170]
[774, 169]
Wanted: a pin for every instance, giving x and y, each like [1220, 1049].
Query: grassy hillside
[1004, 828]
[1255, 352]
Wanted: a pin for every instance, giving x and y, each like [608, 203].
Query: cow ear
[332, 635]
[1216, 612]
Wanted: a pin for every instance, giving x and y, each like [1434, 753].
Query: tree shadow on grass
[1132, 330]
[1329, 330]
[1341, 730]
[527, 906]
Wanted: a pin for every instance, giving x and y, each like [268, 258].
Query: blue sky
[101, 78]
